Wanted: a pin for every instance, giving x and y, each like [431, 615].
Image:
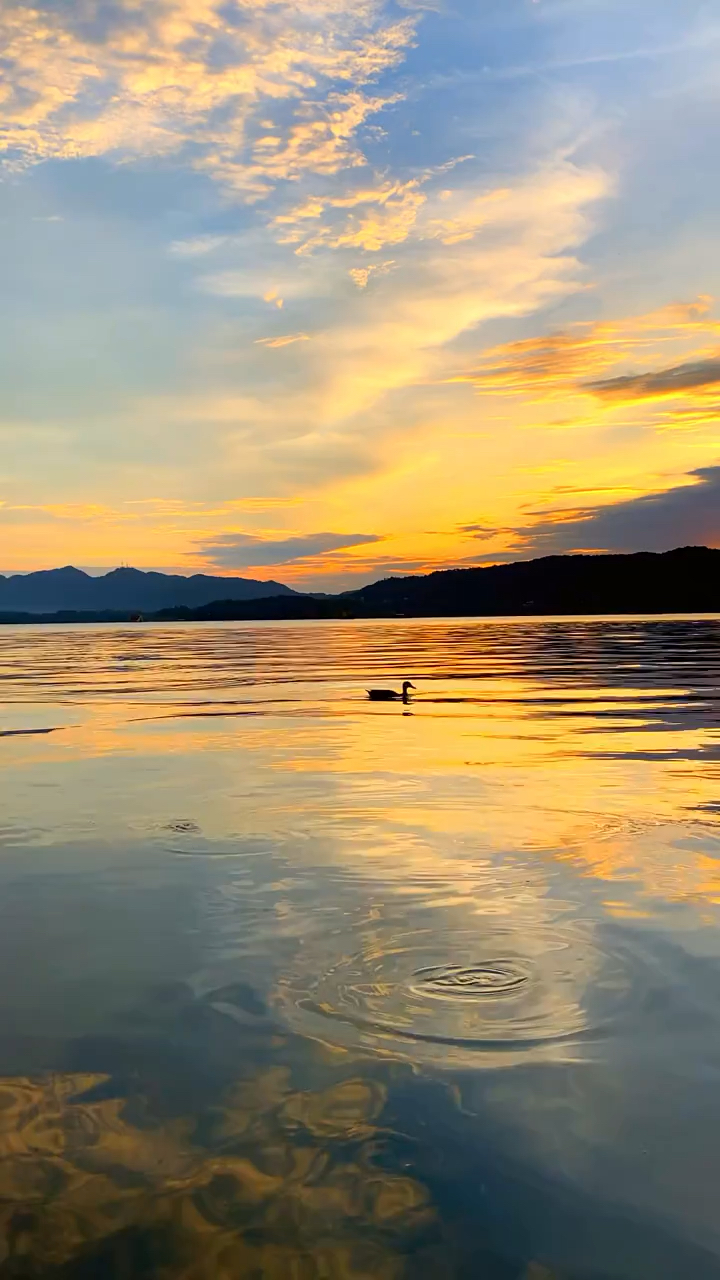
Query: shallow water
[300, 985]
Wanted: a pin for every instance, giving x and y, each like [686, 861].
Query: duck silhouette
[391, 695]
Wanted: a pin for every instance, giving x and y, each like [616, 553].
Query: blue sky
[306, 290]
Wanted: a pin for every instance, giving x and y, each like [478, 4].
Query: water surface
[300, 985]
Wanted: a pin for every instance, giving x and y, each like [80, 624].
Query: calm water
[299, 986]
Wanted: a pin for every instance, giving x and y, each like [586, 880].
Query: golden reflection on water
[287, 1187]
[454, 885]
[498, 771]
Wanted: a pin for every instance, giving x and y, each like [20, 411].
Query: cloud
[361, 275]
[395, 334]
[569, 361]
[596, 362]
[283, 340]
[197, 246]
[238, 550]
[688, 515]
[322, 143]
[332, 412]
[397, 266]
[378, 216]
[674, 381]
[464, 213]
[196, 79]
[484, 532]
[703, 38]
[373, 215]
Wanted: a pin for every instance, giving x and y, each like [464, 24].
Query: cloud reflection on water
[240, 909]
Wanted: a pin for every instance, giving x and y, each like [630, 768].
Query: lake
[298, 985]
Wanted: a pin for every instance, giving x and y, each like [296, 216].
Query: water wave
[492, 994]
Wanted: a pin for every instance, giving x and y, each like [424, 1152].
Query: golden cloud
[152, 83]
[387, 215]
[361, 275]
[570, 361]
[396, 335]
[392, 337]
[386, 212]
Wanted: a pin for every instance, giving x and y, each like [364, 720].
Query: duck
[390, 695]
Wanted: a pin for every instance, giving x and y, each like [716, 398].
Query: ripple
[506, 995]
[470, 982]
[200, 847]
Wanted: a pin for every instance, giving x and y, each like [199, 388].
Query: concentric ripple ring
[489, 980]
[500, 991]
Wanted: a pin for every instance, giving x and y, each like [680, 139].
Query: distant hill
[686, 580]
[683, 581]
[123, 591]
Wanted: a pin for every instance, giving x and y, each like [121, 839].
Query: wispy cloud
[559, 371]
[486, 532]
[514, 262]
[283, 340]
[241, 550]
[377, 217]
[376, 342]
[238, 177]
[369, 216]
[197, 246]
[552, 365]
[656, 385]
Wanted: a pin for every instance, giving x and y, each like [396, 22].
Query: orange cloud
[552, 366]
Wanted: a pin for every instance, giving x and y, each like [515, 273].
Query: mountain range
[686, 580]
[123, 591]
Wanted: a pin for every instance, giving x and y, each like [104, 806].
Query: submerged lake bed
[301, 985]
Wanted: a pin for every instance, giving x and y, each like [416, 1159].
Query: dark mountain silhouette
[123, 591]
[683, 581]
[686, 580]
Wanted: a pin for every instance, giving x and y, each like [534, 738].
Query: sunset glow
[326, 290]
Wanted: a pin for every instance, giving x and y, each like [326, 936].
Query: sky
[328, 290]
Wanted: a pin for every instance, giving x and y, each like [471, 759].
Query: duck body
[390, 695]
